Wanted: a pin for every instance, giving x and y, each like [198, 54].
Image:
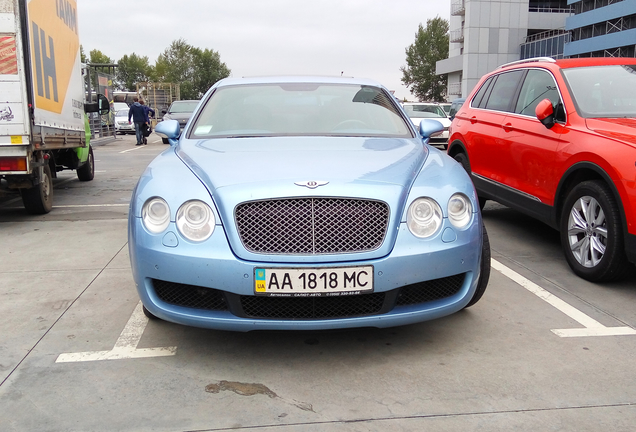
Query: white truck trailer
[42, 109]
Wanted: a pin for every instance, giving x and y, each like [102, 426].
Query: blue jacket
[137, 112]
[147, 109]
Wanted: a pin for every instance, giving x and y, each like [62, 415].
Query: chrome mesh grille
[308, 226]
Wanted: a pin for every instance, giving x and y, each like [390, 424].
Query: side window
[537, 86]
[479, 101]
[504, 90]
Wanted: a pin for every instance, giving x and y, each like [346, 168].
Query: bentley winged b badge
[311, 184]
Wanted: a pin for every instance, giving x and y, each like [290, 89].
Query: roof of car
[421, 103]
[594, 61]
[571, 62]
[296, 79]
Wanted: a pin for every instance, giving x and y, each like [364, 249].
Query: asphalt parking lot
[542, 351]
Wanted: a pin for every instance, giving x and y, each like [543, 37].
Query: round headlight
[156, 215]
[424, 217]
[195, 220]
[459, 210]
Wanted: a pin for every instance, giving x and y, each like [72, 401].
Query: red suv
[557, 140]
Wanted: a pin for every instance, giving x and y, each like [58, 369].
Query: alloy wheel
[587, 231]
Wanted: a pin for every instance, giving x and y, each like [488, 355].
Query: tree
[97, 57]
[195, 70]
[209, 69]
[430, 46]
[131, 70]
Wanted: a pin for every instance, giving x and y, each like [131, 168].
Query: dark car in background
[455, 106]
[180, 111]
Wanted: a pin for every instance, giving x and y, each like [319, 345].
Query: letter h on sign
[44, 65]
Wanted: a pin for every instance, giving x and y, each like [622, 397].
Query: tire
[484, 273]
[165, 140]
[39, 199]
[592, 233]
[87, 171]
[464, 162]
[148, 314]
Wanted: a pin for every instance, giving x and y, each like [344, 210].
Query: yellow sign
[54, 42]
[16, 139]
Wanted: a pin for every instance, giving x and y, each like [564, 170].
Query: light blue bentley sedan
[301, 203]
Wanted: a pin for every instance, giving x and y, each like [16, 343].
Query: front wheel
[592, 233]
[87, 171]
[484, 273]
[39, 199]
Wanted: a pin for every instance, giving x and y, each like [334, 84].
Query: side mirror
[545, 113]
[168, 129]
[430, 128]
[102, 106]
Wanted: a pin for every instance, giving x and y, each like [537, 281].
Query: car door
[527, 147]
[486, 157]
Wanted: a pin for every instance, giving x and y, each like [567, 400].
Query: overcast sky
[361, 38]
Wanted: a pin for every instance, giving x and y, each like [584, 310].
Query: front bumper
[211, 269]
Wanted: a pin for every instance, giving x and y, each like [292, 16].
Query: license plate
[313, 282]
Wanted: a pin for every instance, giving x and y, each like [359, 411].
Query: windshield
[122, 113]
[299, 109]
[603, 91]
[424, 111]
[183, 106]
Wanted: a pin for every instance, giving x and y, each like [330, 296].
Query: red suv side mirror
[545, 113]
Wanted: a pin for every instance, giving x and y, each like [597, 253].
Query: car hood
[270, 167]
[622, 129]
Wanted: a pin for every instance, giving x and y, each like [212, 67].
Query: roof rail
[529, 60]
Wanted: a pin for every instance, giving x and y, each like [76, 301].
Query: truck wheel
[592, 233]
[39, 199]
[165, 140]
[87, 171]
[484, 274]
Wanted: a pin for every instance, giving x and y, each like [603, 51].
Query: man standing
[146, 126]
[138, 114]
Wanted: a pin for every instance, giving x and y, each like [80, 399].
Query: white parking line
[126, 345]
[132, 149]
[591, 326]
